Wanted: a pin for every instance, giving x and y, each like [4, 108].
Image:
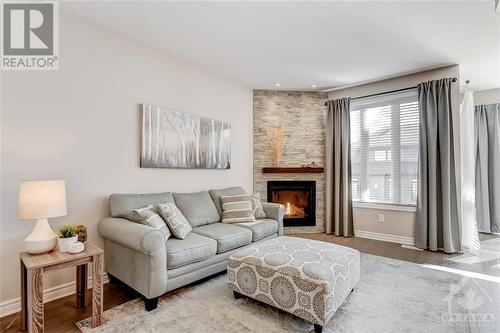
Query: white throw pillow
[177, 223]
[258, 210]
[147, 216]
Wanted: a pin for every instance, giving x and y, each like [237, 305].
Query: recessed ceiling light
[277, 84]
[313, 86]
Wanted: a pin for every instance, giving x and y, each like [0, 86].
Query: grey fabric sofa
[138, 255]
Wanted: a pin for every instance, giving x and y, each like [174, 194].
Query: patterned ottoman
[307, 278]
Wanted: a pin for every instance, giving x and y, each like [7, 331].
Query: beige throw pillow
[148, 216]
[175, 220]
[237, 208]
[258, 210]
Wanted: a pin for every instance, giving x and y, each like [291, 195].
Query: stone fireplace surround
[302, 115]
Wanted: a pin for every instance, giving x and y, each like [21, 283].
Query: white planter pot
[65, 243]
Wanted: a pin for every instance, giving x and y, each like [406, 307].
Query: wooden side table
[34, 265]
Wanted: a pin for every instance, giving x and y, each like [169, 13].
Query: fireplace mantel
[293, 170]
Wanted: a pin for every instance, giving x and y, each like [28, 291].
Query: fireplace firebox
[299, 199]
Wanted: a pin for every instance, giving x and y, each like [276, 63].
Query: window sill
[368, 205]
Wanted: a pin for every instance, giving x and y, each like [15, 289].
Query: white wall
[396, 223]
[489, 96]
[81, 124]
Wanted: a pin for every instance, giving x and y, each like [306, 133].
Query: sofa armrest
[136, 254]
[133, 235]
[276, 212]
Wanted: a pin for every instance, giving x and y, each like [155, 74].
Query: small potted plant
[67, 236]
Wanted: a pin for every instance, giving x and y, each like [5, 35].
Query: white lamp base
[42, 239]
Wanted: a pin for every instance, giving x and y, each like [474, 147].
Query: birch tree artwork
[174, 139]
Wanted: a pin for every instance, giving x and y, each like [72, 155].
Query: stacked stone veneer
[302, 114]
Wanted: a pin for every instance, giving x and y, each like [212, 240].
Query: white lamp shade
[41, 199]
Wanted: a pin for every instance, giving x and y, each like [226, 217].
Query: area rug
[392, 296]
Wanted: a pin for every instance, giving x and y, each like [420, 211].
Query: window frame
[384, 206]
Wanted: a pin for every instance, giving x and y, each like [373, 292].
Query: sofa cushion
[192, 249]
[260, 228]
[122, 204]
[216, 194]
[236, 208]
[198, 208]
[228, 236]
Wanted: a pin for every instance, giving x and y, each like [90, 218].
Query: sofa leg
[237, 295]
[112, 279]
[318, 328]
[151, 303]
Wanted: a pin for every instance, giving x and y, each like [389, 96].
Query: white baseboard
[384, 237]
[411, 247]
[14, 305]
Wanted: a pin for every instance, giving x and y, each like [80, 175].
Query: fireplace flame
[293, 211]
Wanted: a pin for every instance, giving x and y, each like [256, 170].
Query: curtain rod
[388, 92]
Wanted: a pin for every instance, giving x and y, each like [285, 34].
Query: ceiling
[298, 44]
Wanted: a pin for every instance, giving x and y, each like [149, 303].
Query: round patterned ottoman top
[307, 259]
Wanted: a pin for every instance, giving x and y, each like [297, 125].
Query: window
[414, 189]
[384, 148]
[355, 187]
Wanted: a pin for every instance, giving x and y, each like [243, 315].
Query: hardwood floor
[61, 314]
[395, 251]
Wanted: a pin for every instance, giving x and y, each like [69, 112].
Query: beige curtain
[338, 168]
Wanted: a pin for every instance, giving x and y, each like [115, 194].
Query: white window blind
[384, 148]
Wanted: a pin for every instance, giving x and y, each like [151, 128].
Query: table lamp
[41, 200]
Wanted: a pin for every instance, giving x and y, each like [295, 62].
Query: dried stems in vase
[277, 144]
